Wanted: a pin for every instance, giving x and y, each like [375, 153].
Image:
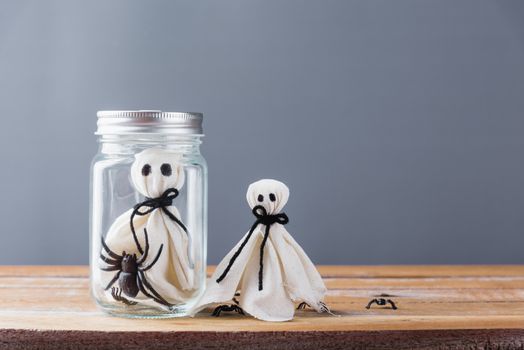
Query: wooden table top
[438, 306]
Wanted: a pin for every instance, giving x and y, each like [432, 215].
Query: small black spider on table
[381, 302]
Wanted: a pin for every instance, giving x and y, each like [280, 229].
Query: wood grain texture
[439, 307]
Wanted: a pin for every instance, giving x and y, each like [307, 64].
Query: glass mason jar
[148, 213]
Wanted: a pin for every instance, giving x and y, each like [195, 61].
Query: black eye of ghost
[165, 169]
[272, 197]
[260, 198]
[146, 170]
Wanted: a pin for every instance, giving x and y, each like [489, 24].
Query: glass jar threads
[148, 213]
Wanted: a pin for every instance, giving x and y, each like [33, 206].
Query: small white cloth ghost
[154, 172]
[267, 291]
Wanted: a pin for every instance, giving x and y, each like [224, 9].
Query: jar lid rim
[126, 122]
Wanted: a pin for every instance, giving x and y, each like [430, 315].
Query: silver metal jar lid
[148, 122]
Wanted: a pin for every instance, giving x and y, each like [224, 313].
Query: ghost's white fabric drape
[172, 276]
[289, 276]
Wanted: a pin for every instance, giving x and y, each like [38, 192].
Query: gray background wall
[398, 125]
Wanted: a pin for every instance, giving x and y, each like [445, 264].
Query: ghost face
[271, 194]
[156, 170]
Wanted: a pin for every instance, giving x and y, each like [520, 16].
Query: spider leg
[238, 309]
[143, 284]
[109, 260]
[149, 295]
[115, 278]
[144, 290]
[393, 306]
[371, 302]
[110, 268]
[324, 307]
[216, 312]
[302, 305]
[109, 251]
[155, 294]
[146, 249]
[117, 295]
[154, 260]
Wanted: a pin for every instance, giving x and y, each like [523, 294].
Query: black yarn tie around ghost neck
[162, 202]
[263, 218]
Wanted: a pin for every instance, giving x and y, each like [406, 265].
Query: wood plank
[364, 271]
[45, 306]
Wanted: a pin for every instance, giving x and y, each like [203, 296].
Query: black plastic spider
[225, 308]
[323, 306]
[381, 302]
[228, 308]
[130, 275]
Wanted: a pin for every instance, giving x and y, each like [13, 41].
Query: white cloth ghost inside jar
[267, 273]
[153, 234]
